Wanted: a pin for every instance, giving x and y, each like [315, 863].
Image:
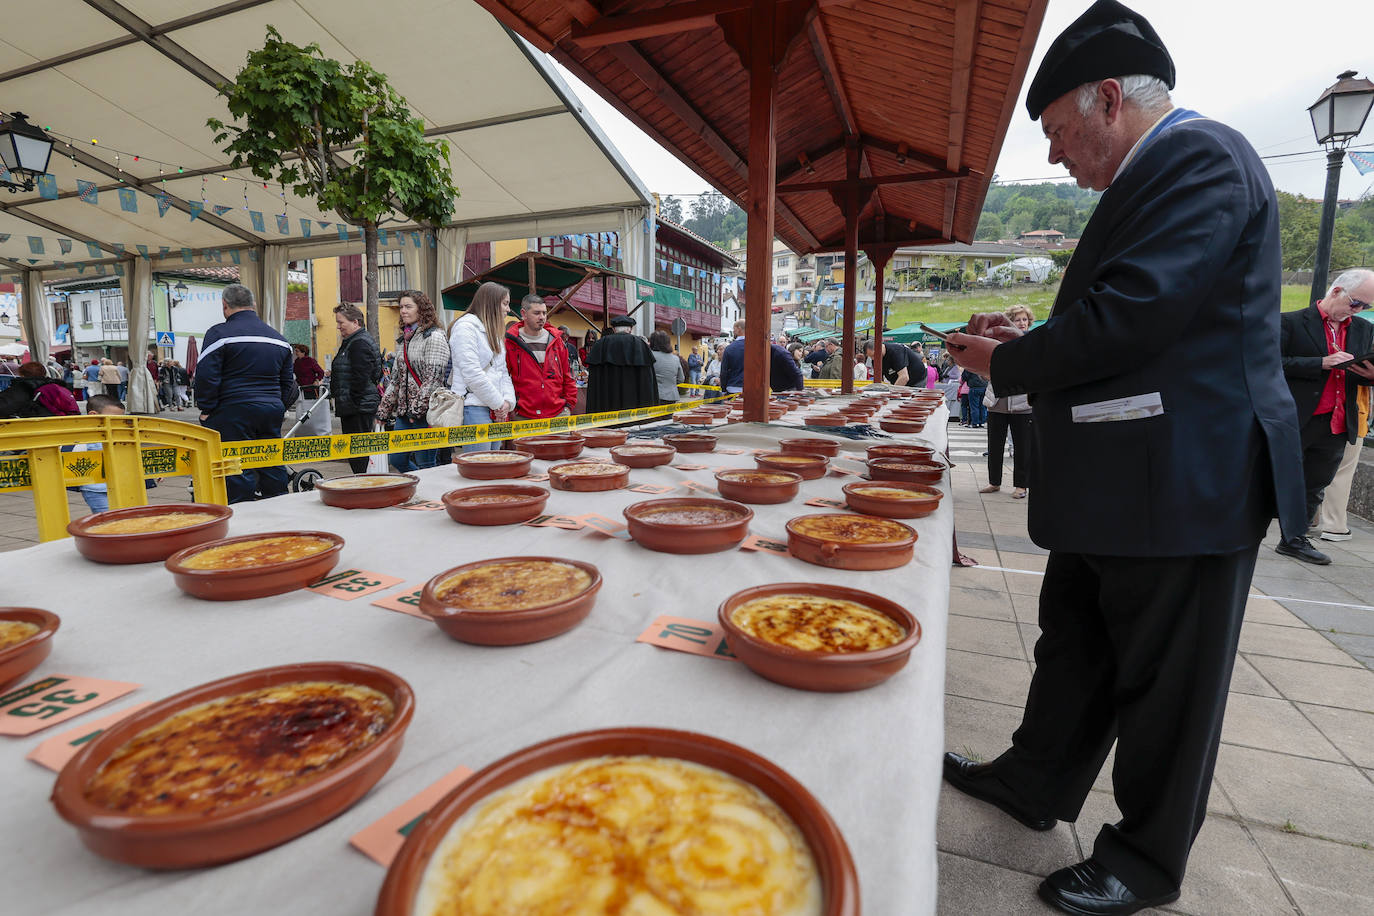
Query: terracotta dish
[850, 541]
[826, 448]
[192, 840]
[511, 601]
[602, 438]
[589, 476]
[691, 442]
[496, 504]
[910, 452]
[367, 491]
[757, 487]
[641, 455]
[810, 467]
[260, 577]
[838, 878]
[826, 419]
[688, 524]
[688, 418]
[892, 499]
[496, 465]
[149, 546]
[905, 469]
[548, 448]
[902, 426]
[25, 641]
[830, 671]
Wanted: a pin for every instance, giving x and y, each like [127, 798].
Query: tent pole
[851, 259]
[878, 256]
[763, 159]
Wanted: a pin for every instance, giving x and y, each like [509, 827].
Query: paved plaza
[1292, 806]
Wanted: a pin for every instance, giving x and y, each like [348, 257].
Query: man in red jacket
[538, 364]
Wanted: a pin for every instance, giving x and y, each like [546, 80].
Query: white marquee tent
[136, 182]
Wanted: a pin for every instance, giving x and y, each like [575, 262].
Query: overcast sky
[1256, 67]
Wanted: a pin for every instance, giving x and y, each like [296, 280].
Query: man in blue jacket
[244, 381]
[783, 372]
[1167, 442]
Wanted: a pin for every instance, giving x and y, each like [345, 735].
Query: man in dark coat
[1162, 460]
[620, 370]
[1315, 341]
[353, 377]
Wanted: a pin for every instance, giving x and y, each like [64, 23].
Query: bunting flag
[128, 200]
[343, 232]
[196, 209]
[677, 269]
[283, 224]
[255, 217]
[324, 224]
[186, 255]
[383, 237]
[221, 209]
[252, 254]
[119, 270]
[60, 265]
[35, 244]
[415, 237]
[162, 251]
[86, 190]
[213, 254]
[142, 251]
[1363, 162]
[47, 187]
[93, 249]
[65, 245]
[4, 237]
[305, 228]
[164, 203]
[81, 267]
[433, 242]
[4, 173]
[33, 260]
[235, 255]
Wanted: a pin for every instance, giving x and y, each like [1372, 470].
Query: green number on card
[358, 584]
[42, 711]
[412, 598]
[683, 631]
[724, 649]
[71, 699]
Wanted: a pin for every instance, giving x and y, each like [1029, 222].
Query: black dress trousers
[1322, 451]
[1136, 650]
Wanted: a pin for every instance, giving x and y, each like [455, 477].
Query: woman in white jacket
[479, 360]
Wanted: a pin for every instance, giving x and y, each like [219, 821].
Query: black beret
[1108, 41]
[622, 321]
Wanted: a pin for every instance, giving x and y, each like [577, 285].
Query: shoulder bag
[446, 405]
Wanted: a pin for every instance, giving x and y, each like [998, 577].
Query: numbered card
[406, 601]
[55, 699]
[690, 467]
[729, 451]
[825, 503]
[841, 472]
[354, 583]
[604, 525]
[653, 488]
[696, 637]
[384, 837]
[540, 477]
[764, 545]
[700, 487]
[57, 750]
[422, 505]
[566, 522]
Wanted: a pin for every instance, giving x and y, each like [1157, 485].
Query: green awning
[552, 275]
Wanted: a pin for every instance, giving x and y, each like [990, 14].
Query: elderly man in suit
[1318, 344]
[1162, 458]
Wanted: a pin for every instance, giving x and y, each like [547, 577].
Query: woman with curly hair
[421, 367]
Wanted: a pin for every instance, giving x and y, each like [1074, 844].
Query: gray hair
[238, 296]
[1349, 279]
[1148, 93]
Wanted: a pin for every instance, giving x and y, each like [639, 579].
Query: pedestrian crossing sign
[166, 339]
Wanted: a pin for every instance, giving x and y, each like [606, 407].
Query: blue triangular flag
[1363, 162]
[47, 187]
[343, 232]
[213, 254]
[86, 190]
[283, 224]
[81, 267]
[221, 209]
[252, 254]
[143, 251]
[65, 245]
[35, 244]
[164, 203]
[196, 209]
[235, 255]
[415, 238]
[255, 217]
[324, 224]
[186, 255]
[118, 248]
[93, 249]
[128, 200]
[305, 228]
[119, 270]
[162, 251]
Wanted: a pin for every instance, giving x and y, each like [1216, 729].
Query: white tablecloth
[871, 757]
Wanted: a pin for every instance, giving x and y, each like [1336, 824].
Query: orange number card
[605, 526]
[825, 503]
[650, 488]
[384, 837]
[55, 699]
[57, 750]
[690, 467]
[764, 545]
[406, 601]
[348, 584]
[696, 637]
[423, 505]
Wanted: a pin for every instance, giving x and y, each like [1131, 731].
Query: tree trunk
[370, 279]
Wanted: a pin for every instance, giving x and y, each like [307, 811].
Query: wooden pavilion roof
[923, 89]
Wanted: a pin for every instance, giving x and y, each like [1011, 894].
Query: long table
[871, 757]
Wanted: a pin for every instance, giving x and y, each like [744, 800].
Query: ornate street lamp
[24, 149]
[1337, 118]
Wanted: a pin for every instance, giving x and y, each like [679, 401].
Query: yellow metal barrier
[123, 463]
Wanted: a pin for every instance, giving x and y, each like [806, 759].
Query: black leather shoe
[1089, 889]
[976, 780]
[1302, 549]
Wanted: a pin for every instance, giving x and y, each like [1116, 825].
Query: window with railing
[391, 271]
[112, 317]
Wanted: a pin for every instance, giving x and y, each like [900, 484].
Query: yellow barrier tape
[832, 383]
[88, 467]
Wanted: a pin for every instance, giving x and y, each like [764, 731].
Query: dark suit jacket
[1303, 343]
[1174, 290]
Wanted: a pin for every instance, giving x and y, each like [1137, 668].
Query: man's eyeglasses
[1356, 305]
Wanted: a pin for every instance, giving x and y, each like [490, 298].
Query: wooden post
[763, 160]
[529, 261]
[851, 259]
[878, 256]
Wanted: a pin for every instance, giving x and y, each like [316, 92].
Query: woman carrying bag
[420, 369]
[480, 375]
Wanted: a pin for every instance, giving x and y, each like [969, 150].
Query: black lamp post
[1337, 118]
[24, 149]
[181, 289]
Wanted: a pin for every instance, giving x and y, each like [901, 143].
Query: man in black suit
[1314, 342]
[1167, 440]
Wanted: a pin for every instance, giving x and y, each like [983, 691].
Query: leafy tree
[1299, 224]
[990, 227]
[670, 208]
[353, 143]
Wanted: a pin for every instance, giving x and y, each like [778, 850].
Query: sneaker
[1336, 535]
[1302, 549]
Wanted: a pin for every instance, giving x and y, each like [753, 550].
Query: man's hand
[981, 323]
[1334, 359]
[1363, 370]
[973, 353]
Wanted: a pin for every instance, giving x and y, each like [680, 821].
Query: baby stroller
[314, 419]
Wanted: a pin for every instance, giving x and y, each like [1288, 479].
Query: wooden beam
[666, 20]
[825, 60]
[965, 37]
[762, 171]
[873, 181]
[904, 151]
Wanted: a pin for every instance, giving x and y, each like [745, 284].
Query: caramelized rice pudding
[894, 493]
[628, 835]
[851, 529]
[643, 449]
[493, 457]
[364, 482]
[587, 469]
[513, 585]
[815, 624]
[689, 515]
[258, 552]
[240, 748]
[756, 477]
[490, 498]
[13, 632]
[145, 524]
[908, 466]
[793, 459]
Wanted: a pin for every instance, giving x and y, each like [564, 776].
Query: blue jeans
[97, 499]
[476, 413]
[977, 410]
[416, 460]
